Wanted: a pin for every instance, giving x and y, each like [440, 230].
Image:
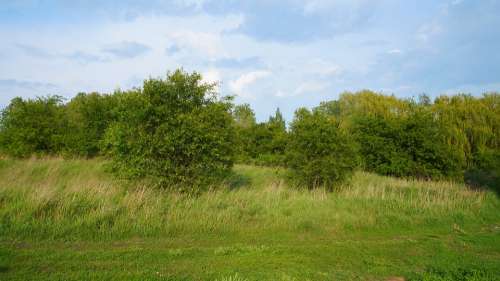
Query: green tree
[473, 123]
[173, 131]
[319, 152]
[89, 115]
[33, 126]
[410, 146]
[270, 139]
[244, 116]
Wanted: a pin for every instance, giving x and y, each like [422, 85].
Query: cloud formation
[269, 53]
[241, 84]
[126, 49]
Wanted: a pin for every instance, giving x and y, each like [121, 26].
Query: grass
[70, 220]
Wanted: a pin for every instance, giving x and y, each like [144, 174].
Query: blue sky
[284, 53]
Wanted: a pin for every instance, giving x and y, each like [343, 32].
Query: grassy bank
[70, 220]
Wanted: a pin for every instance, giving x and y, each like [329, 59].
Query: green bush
[174, 131]
[263, 143]
[408, 146]
[89, 116]
[33, 126]
[319, 153]
[244, 119]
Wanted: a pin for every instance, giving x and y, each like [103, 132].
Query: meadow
[66, 219]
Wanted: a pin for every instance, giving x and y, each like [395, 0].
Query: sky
[268, 53]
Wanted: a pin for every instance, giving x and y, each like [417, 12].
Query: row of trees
[179, 133]
[446, 138]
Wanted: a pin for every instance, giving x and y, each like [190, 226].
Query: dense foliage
[89, 116]
[178, 132]
[319, 152]
[421, 138]
[174, 131]
[413, 145]
[35, 126]
[260, 143]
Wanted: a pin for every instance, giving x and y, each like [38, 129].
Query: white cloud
[307, 87]
[77, 57]
[239, 85]
[322, 67]
[73, 55]
[212, 76]
[195, 4]
[427, 31]
[395, 52]
[310, 87]
[323, 6]
[203, 43]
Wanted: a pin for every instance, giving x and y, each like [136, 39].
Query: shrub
[244, 119]
[319, 153]
[409, 146]
[33, 126]
[263, 143]
[89, 115]
[174, 131]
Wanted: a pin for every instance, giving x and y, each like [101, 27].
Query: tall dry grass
[54, 198]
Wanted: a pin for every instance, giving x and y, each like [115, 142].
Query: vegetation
[260, 143]
[413, 145]
[70, 220]
[177, 132]
[308, 200]
[89, 116]
[173, 131]
[33, 127]
[319, 152]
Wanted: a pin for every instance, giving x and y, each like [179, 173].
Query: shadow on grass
[483, 180]
[469, 274]
[237, 181]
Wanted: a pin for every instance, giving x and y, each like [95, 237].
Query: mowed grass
[70, 220]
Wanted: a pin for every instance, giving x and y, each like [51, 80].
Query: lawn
[71, 220]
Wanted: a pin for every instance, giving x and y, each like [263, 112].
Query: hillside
[71, 220]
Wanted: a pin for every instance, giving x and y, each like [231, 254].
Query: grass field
[70, 220]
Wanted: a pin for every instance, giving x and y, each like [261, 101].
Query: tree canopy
[179, 132]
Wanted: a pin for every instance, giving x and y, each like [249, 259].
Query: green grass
[70, 220]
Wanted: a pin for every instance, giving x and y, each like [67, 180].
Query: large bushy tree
[33, 126]
[411, 146]
[89, 116]
[319, 152]
[474, 123]
[175, 131]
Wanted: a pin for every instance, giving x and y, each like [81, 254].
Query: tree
[411, 146]
[173, 131]
[319, 152]
[33, 126]
[270, 139]
[244, 119]
[473, 123]
[89, 115]
[244, 116]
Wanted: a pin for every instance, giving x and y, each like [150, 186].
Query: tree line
[178, 132]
